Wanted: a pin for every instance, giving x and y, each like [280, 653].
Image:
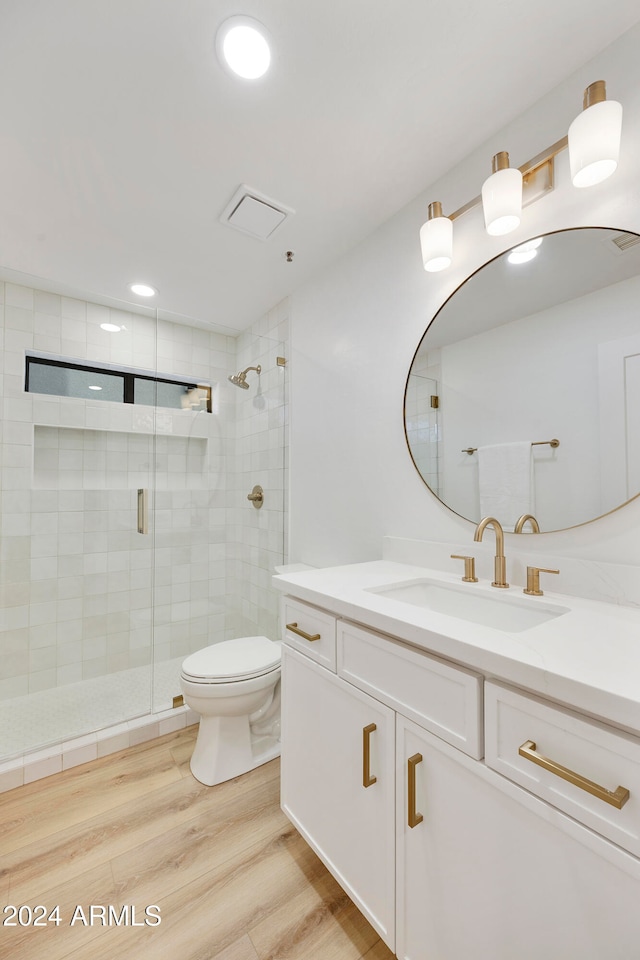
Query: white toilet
[235, 687]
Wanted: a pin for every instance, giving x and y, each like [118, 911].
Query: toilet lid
[238, 659]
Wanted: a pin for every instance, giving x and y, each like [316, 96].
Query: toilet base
[226, 748]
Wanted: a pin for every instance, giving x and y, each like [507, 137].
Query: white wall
[356, 326]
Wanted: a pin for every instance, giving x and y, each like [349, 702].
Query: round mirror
[524, 393]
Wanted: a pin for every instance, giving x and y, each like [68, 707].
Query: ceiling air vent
[251, 212]
[623, 241]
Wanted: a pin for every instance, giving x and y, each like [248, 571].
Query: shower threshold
[40, 720]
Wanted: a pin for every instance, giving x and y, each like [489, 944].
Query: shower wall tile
[256, 537]
[82, 590]
[76, 577]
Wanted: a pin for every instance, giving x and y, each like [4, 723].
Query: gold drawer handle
[367, 779]
[305, 636]
[617, 798]
[413, 818]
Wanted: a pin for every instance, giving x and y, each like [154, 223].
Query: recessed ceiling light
[525, 252]
[142, 289]
[243, 47]
[110, 327]
[93, 386]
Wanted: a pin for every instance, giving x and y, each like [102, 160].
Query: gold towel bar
[534, 443]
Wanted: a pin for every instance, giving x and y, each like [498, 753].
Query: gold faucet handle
[533, 580]
[469, 567]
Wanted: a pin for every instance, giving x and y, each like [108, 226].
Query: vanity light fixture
[594, 137]
[525, 251]
[502, 197]
[436, 239]
[594, 146]
[243, 47]
[142, 290]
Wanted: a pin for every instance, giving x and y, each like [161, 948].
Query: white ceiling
[502, 292]
[122, 139]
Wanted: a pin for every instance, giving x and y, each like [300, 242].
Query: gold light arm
[617, 798]
[537, 178]
[413, 817]
[293, 627]
[367, 779]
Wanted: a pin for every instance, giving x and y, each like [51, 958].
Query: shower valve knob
[256, 496]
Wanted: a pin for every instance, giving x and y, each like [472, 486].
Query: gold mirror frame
[602, 234]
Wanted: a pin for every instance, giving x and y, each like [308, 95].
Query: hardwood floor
[231, 877]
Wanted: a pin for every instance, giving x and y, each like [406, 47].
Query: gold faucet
[500, 564]
[520, 522]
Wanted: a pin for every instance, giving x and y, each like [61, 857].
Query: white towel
[505, 480]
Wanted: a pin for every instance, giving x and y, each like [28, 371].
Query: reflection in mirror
[529, 350]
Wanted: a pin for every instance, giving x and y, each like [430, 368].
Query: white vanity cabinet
[338, 785]
[493, 873]
[448, 858]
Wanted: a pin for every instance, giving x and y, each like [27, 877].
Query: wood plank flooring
[232, 878]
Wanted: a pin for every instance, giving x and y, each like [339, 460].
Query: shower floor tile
[53, 716]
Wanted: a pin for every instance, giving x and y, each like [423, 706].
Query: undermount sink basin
[507, 613]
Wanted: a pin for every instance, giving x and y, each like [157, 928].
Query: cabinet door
[486, 876]
[335, 740]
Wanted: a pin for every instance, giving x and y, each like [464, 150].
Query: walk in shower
[127, 540]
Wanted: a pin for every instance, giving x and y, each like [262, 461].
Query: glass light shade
[594, 143]
[436, 242]
[502, 201]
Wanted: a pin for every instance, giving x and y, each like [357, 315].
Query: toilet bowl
[235, 687]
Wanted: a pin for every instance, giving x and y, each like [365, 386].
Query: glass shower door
[75, 574]
[192, 436]
[214, 552]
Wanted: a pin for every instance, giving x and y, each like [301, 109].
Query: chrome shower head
[240, 379]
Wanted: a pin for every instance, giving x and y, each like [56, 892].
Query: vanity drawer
[585, 768]
[440, 697]
[309, 630]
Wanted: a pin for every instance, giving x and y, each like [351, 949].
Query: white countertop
[588, 658]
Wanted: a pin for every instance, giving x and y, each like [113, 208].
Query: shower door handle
[143, 510]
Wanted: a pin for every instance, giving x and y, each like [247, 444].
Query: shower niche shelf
[68, 458]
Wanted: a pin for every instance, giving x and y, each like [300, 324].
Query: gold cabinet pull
[413, 818]
[617, 798]
[367, 779]
[300, 633]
